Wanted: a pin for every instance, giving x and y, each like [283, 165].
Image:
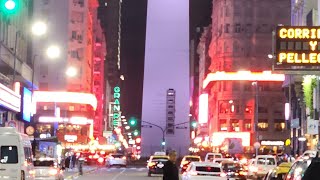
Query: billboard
[27, 105]
[297, 48]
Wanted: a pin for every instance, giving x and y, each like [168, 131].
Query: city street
[114, 173]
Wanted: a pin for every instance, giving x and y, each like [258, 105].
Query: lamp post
[256, 114]
[163, 130]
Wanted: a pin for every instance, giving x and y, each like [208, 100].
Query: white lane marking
[114, 178]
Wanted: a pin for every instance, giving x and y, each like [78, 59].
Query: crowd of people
[70, 161]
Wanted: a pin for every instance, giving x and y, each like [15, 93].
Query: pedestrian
[67, 163]
[73, 159]
[170, 169]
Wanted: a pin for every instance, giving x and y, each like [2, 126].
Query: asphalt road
[114, 173]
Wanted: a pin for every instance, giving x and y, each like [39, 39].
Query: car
[156, 163]
[211, 156]
[261, 165]
[47, 169]
[189, 158]
[279, 172]
[15, 155]
[116, 160]
[234, 170]
[298, 169]
[204, 170]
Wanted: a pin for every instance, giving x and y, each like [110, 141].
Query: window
[47, 163]
[279, 124]
[237, 28]
[247, 125]
[263, 125]
[74, 34]
[223, 125]
[227, 26]
[9, 154]
[248, 28]
[28, 154]
[263, 109]
[235, 125]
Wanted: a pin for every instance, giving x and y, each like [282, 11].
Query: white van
[262, 165]
[15, 155]
[211, 156]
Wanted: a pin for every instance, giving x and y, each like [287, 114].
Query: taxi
[156, 163]
[278, 172]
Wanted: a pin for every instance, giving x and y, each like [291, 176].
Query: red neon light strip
[242, 76]
[66, 97]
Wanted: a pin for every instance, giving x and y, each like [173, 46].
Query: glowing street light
[39, 28]
[71, 72]
[53, 52]
[10, 5]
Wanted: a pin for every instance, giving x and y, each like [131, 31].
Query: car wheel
[149, 174]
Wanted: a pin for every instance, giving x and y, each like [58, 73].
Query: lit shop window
[223, 125]
[247, 125]
[279, 125]
[263, 125]
[235, 126]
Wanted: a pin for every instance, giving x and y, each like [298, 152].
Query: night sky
[134, 13]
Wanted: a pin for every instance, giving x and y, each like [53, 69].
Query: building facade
[15, 64]
[166, 67]
[252, 102]
[79, 65]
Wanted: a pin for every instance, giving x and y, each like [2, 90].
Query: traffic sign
[256, 145]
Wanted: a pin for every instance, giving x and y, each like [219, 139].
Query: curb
[77, 174]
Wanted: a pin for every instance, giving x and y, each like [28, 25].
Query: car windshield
[192, 159]
[160, 159]
[298, 168]
[9, 154]
[47, 163]
[208, 169]
[117, 155]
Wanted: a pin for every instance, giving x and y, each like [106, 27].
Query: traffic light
[194, 124]
[138, 140]
[132, 121]
[136, 133]
[163, 143]
[9, 6]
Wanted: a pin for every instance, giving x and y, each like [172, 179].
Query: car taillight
[124, 157]
[96, 156]
[243, 173]
[53, 172]
[223, 175]
[90, 157]
[151, 164]
[32, 172]
[100, 160]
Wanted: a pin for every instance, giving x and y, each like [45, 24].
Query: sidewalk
[73, 173]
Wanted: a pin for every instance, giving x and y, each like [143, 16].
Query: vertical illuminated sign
[26, 105]
[116, 107]
[203, 108]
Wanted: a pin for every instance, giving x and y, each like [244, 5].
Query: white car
[211, 156]
[47, 169]
[261, 165]
[116, 160]
[204, 170]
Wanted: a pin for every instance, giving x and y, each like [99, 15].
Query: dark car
[156, 164]
[234, 170]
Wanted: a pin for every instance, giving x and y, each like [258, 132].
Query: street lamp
[71, 72]
[39, 28]
[53, 52]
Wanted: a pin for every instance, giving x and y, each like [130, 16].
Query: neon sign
[116, 118]
[297, 47]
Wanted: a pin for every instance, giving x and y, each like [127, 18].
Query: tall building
[166, 67]
[15, 63]
[79, 64]
[245, 101]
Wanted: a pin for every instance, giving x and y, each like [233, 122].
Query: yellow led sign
[297, 46]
